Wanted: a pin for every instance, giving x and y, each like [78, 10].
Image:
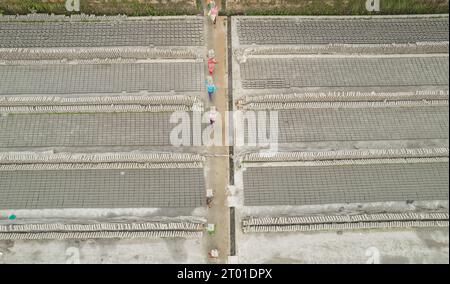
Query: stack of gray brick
[127, 188]
[276, 31]
[101, 78]
[279, 73]
[345, 184]
[149, 32]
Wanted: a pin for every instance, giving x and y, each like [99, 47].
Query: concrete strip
[408, 216]
[99, 235]
[98, 227]
[101, 100]
[332, 48]
[91, 53]
[347, 155]
[344, 96]
[60, 158]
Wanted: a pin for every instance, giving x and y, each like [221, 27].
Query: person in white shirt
[213, 115]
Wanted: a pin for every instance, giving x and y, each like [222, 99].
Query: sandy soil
[371, 247]
[217, 163]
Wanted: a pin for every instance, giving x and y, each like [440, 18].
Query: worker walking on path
[211, 65]
[211, 88]
[213, 115]
[213, 12]
[211, 61]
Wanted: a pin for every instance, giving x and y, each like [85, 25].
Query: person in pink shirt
[213, 14]
[211, 65]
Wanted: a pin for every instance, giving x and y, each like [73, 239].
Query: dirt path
[217, 163]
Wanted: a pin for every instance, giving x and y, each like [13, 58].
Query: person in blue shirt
[211, 89]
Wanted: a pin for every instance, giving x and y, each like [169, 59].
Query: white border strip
[155, 226]
[407, 216]
[89, 18]
[346, 226]
[355, 162]
[344, 222]
[132, 99]
[99, 235]
[348, 155]
[332, 96]
[424, 16]
[313, 105]
[109, 61]
[392, 48]
[108, 166]
[101, 231]
[94, 109]
[36, 158]
[53, 53]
